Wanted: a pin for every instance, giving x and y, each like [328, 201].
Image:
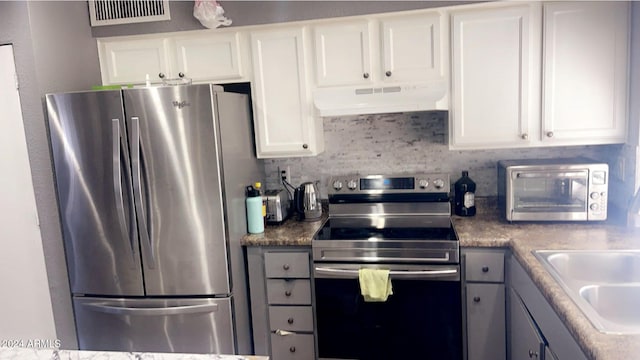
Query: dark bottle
[465, 193]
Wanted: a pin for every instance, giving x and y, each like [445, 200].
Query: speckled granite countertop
[487, 229]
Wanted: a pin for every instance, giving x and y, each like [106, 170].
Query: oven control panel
[390, 184]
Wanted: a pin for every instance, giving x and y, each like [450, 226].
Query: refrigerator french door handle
[162, 311]
[136, 168]
[117, 189]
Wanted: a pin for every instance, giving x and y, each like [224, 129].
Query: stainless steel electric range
[401, 223]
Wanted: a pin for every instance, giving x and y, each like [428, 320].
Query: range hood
[387, 98]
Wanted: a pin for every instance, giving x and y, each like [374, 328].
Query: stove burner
[331, 232]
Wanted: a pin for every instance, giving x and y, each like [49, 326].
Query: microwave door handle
[539, 175]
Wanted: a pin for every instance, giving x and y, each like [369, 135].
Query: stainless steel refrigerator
[150, 185]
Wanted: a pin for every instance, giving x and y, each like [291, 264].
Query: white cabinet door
[130, 61]
[585, 72]
[493, 77]
[412, 48]
[343, 54]
[284, 125]
[208, 56]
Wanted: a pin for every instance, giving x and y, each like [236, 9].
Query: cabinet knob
[549, 134]
[365, 75]
[524, 136]
[292, 349]
[290, 321]
[533, 354]
[305, 146]
[476, 299]
[286, 266]
[287, 293]
[181, 74]
[161, 75]
[485, 269]
[388, 73]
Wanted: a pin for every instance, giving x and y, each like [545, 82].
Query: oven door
[549, 195]
[421, 320]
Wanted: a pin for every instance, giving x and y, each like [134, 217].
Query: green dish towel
[375, 284]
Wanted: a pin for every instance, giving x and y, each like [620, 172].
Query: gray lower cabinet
[281, 302]
[535, 330]
[526, 341]
[485, 304]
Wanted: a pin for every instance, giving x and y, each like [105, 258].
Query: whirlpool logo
[181, 104]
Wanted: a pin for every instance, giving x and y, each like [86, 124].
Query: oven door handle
[394, 274]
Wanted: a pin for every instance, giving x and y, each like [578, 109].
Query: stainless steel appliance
[400, 223]
[307, 203]
[278, 205]
[150, 185]
[574, 189]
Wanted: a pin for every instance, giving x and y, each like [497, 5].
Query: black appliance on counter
[403, 224]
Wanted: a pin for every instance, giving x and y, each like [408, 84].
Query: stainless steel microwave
[573, 189]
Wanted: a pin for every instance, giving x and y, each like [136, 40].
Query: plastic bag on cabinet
[210, 14]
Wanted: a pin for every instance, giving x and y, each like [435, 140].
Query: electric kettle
[306, 200]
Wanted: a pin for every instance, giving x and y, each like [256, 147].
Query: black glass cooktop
[373, 230]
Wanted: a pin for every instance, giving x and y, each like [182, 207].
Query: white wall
[26, 310]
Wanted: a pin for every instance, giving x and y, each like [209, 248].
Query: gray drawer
[291, 318]
[286, 264]
[484, 266]
[293, 346]
[289, 292]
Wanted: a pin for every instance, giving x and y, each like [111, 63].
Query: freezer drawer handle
[117, 189]
[136, 166]
[138, 311]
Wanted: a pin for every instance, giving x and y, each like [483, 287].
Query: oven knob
[423, 183]
[352, 185]
[594, 207]
[438, 183]
[337, 185]
[595, 195]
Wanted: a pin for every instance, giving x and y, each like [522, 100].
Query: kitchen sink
[604, 284]
[616, 303]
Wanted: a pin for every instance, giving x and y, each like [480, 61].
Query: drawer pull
[290, 321]
[287, 293]
[485, 269]
[476, 299]
[286, 266]
[292, 349]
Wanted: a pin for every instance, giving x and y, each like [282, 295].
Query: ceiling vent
[114, 12]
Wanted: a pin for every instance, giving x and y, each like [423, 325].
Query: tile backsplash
[408, 142]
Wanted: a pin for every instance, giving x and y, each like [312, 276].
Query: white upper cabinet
[199, 56]
[493, 76]
[283, 113]
[585, 72]
[405, 48]
[343, 53]
[412, 48]
[504, 96]
[131, 60]
[208, 56]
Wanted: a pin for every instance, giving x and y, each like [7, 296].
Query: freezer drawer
[156, 325]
